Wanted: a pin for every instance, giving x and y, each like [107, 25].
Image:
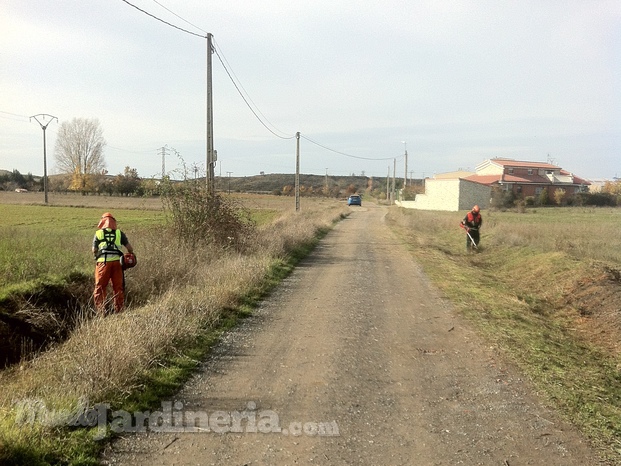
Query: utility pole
[394, 172]
[405, 172]
[297, 172]
[229, 174]
[210, 179]
[388, 185]
[44, 116]
[326, 181]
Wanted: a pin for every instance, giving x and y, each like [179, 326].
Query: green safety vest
[109, 247]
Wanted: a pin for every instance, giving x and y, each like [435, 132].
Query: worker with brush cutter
[472, 224]
[111, 262]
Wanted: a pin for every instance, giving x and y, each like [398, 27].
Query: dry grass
[76, 200]
[545, 290]
[177, 294]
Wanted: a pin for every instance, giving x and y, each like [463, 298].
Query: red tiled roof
[526, 179]
[484, 179]
[523, 164]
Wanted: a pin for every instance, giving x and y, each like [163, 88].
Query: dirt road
[355, 360]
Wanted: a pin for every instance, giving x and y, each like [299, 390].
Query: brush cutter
[469, 236]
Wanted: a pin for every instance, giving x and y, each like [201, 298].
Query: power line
[231, 75]
[165, 22]
[246, 100]
[14, 116]
[182, 19]
[245, 97]
[217, 53]
[348, 155]
[148, 151]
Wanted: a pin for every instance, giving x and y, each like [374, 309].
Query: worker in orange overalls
[107, 249]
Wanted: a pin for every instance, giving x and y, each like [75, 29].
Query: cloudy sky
[454, 82]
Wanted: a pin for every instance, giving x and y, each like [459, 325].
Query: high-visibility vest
[109, 247]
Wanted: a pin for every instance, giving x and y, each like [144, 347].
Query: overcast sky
[458, 81]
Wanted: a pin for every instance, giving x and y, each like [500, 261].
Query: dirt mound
[30, 323]
[597, 300]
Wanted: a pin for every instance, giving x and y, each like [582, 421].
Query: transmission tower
[164, 150]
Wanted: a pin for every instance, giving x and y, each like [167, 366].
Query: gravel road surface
[355, 360]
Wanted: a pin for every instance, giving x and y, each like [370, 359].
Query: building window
[530, 171]
[510, 171]
[538, 191]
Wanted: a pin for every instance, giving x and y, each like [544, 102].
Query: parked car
[354, 199]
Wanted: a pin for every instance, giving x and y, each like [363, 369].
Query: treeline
[609, 196]
[10, 181]
[129, 183]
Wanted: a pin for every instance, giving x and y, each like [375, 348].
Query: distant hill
[275, 182]
[278, 183]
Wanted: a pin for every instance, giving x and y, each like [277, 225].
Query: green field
[47, 242]
[544, 290]
[180, 297]
[38, 242]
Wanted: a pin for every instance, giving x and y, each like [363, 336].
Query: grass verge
[133, 360]
[519, 295]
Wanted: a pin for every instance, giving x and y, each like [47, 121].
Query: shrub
[201, 217]
[502, 199]
[596, 199]
[544, 197]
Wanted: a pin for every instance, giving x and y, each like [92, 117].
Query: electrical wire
[148, 151]
[182, 19]
[14, 116]
[246, 100]
[222, 60]
[348, 155]
[161, 20]
[244, 95]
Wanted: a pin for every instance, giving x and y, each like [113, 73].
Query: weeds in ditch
[183, 294]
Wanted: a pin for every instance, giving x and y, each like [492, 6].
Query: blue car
[354, 199]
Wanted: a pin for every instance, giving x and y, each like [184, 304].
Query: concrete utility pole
[229, 174]
[388, 185]
[394, 172]
[44, 116]
[211, 159]
[405, 172]
[297, 172]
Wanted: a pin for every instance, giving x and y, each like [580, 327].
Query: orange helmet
[107, 221]
[476, 209]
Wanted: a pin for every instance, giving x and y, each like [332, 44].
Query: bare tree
[79, 152]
